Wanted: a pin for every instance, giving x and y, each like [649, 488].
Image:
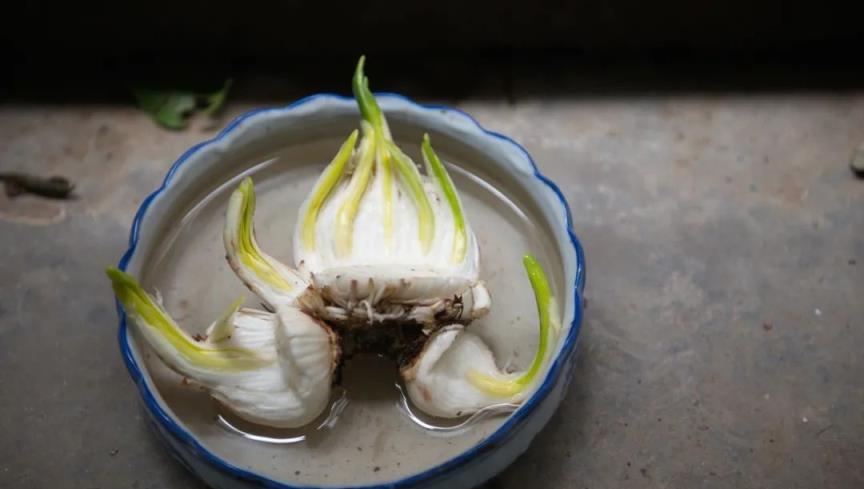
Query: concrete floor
[722, 344]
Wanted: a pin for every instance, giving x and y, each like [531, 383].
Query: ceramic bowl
[174, 246]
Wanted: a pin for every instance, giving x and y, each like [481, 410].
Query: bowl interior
[372, 439]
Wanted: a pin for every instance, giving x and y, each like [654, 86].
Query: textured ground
[722, 342]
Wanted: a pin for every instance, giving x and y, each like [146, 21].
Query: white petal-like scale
[399, 256]
[271, 369]
[378, 240]
[295, 389]
[455, 372]
[272, 281]
[384, 239]
[438, 381]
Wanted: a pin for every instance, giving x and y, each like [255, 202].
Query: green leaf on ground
[171, 108]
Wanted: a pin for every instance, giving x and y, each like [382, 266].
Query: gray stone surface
[722, 345]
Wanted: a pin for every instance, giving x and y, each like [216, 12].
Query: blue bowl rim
[498, 437]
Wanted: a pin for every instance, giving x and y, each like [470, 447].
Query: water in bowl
[371, 433]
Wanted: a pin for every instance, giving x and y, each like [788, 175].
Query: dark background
[61, 50]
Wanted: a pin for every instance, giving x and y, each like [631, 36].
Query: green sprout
[331, 176]
[435, 168]
[247, 248]
[149, 315]
[549, 327]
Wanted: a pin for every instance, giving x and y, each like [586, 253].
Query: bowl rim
[499, 436]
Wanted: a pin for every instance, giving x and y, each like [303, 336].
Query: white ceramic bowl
[262, 131]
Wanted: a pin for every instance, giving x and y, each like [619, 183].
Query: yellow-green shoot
[331, 176]
[547, 310]
[150, 316]
[436, 170]
[247, 248]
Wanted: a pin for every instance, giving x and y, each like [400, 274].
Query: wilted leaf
[22, 183]
[172, 108]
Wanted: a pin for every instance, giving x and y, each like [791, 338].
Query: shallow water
[370, 434]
